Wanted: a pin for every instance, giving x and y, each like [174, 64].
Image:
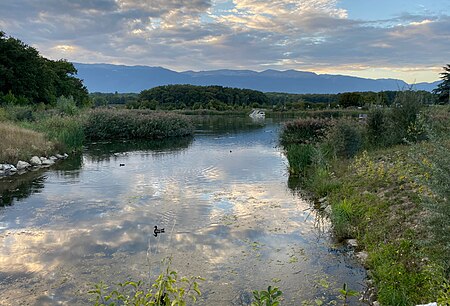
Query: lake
[224, 202]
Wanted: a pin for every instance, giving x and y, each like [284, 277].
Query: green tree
[443, 89]
[31, 77]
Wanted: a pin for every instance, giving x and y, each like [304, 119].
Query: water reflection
[228, 216]
[103, 151]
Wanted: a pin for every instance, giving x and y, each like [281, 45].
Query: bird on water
[157, 231]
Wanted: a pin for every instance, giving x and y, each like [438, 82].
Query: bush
[404, 117]
[67, 106]
[377, 127]
[345, 138]
[303, 131]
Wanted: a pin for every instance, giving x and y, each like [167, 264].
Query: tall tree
[443, 89]
[24, 73]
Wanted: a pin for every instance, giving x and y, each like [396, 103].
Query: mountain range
[129, 79]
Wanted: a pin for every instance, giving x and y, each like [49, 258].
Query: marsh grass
[104, 124]
[21, 144]
[66, 131]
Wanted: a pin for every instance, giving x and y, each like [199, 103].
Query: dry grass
[21, 144]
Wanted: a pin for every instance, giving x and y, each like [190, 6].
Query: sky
[402, 39]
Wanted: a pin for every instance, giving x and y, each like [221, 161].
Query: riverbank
[390, 197]
[32, 132]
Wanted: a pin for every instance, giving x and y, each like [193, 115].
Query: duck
[157, 231]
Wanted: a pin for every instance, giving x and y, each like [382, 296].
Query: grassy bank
[21, 144]
[386, 182]
[33, 131]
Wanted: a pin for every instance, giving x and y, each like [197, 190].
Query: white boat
[257, 113]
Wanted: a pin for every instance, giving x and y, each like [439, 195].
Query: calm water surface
[222, 198]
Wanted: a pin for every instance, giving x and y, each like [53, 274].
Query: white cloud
[210, 34]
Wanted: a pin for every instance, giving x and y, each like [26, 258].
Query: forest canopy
[26, 77]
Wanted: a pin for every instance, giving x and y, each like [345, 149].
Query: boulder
[47, 162]
[12, 168]
[22, 165]
[35, 161]
[53, 158]
[66, 155]
[59, 156]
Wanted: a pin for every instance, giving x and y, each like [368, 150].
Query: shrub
[377, 127]
[167, 289]
[403, 116]
[303, 131]
[345, 138]
[67, 106]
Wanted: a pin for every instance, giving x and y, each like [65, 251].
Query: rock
[2, 173]
[376, 303]
[42, 158]
[59, 156]
[12, 168]
[321, 200]
[47, 162]
[35, 161]
[22, 165]
[362, 256]
[429, 304]
[66, 155]
[352, 243]
[53, 158]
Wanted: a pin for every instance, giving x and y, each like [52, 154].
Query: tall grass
[21, 144]
[134, 124]
[66, 131]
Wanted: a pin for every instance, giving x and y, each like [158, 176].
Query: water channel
[222, 198]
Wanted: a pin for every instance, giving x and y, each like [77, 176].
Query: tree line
[26, 77]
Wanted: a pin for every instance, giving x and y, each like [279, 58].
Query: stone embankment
[34, 163]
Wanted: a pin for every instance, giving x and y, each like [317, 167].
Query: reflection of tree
[103, 151]
[20, 187]
[225, 124]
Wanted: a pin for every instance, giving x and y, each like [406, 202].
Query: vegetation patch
[104, 124]
[386, 183]
[21, 144]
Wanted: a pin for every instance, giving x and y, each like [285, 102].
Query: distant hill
[112, 78]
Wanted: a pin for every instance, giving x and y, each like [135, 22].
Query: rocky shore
[34, 163]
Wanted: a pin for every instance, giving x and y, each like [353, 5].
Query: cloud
[210, 34]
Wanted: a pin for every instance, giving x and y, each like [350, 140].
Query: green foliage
[269, 297]
[345, 137]
[206, 97]
[443, 89]
[404, 116]
[377, 127]
[343, 217]
[167, 290]
[444, 294]
[67, 106]
[131, 124]
[350, 99]
[27, 77]
[346, 292]
[66, 131]
[303, 131]
[299, 156]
